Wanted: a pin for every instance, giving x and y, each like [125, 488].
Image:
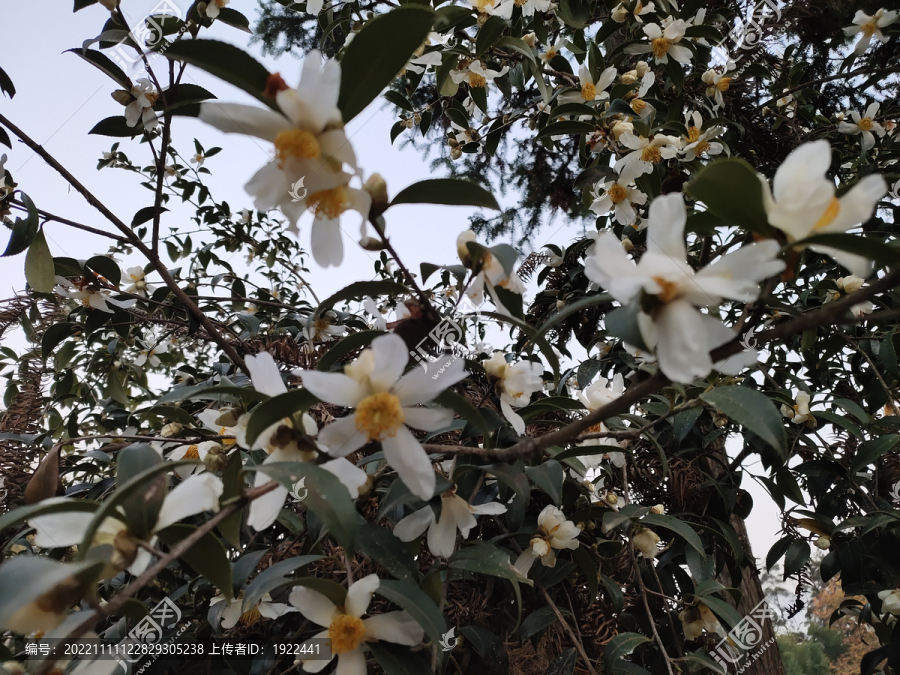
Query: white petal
[514, 418]
[425, 382]
[610, 267]
[327, 242]
[313, 605]
[408, 458]
[683, 350]
[251, 120]
[397, 627]
[428, 419]
[59, 530]
[665, 233]
[391, 356]
[316, 665]
[334, 388]
[359, 595]
[231, 614]
[525, 561]
[265, 375]
[264, 510]
[489, 509]
[195, 495]
[462, 514]
[350, 475]
[269, 187]
[341, 437]
[442, 534]
[351, 663]
[414, 524]
[274, 610]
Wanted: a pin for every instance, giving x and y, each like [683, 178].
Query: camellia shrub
[513, 464]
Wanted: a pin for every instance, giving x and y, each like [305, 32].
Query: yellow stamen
[693, 134]
[865, 124]
[637, 105]
[250, 617]
[476, 80]
[151, 97]
[192, 453]
[297, 143]
[588, 92]
[723, 84]
[659, 47]
[617, 193]
[668, 290]
[651, 154]
[380, 415]
[226, 441]
[330, 203]
[346, 633]
[551, 54]
[869, 27]
[520, 3]
[830, 214]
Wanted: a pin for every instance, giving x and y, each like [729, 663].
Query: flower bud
[462, 250]
[455, 153]
[540, 547]
[658, 509]
[627, 245]
[529, 39]
[823, 543]
[641, 68]
[611, 498]
[216, 458]
[377, 189]
[171, 429]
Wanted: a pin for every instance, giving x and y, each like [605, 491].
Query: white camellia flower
[516, 383]
[682, 336]
[346, 628]
[456, 514]
[645, 541]
[477, 75]
[214, 6]
[664, 43]
[420, 63]
[90, 296]
[194, 495]
[620, 12]
[141, 108]
[149, 354]
[717, 83]
[862, 309]
[310, 144]
[246, 216]
[491, 274]
[802, 202]
[529, 7]
[890, 601]
[799, 413]
[501, 8]
[283, 444]
[188, 451]
[323, 328]
[700, 143]
[383, 399]
[618, 198]
[594, 397]
[554, 532]
[554, 50]
[645, 154]
[233, 613]
[138, 285]
[869, 26]
[864, 125]
[848, 284]
[591, 90]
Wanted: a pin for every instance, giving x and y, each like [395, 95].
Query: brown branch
[167, 278]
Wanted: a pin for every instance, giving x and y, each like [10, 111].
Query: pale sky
[61, 97]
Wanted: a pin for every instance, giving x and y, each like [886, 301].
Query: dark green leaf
[451, 191]
[418, 604]
[388, 551]
[39, 271]
[488, 34]
[564, 664]
[566, 128]
[549, 477]
[24, 230]
[6, 84]
[535, 622]
[276, 409]
[361, 289]
[345, 346]
[731, 190]
[752, 410]
[397, 660]
[679, 527]
[207, 556]
[105, 64]
[274, 577]
[869, 452]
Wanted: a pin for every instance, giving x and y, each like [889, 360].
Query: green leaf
[535, 622]
[326, 496]
[517, 45]
[614, 591]
[204, 392]
[620, 646]
[105, 64]
[392, 554]
[207, 556]
[679, 527]
[39, 271]
[869, 452]
[145, 215]
[573, 308]
[450, 191]
[462, 407]
[225, 61]
[731, 190]
[683, 422]
[330, 589]
[343, 347]
[752, 410]
[46, 507]
[378, 52]
[142, 506]
[867, 247]
[488, 34]
[564, 664]
[361, 289]
[6, 84]
[24, 230]
[484, 558]
[117, 127]
[566, 128]
[417, 603]
[273, 578]
[549, 477]
[398, 660]
[234, 19]
[276, 409]
[622, 323]
[723, 610]
[796, 557]
[887, 354]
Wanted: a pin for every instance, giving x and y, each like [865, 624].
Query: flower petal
[60, 530]
[264, 374]
[408, 458]
[391, 356]
[683, 350]
[196, 494]
[335, 388]
[426, 382]
[313, 605]
[327, 242]
[235, 118]
[428, 419]
[341, 437]
[397, 627]
[414, 524]
[359, 595]
[350, 475]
